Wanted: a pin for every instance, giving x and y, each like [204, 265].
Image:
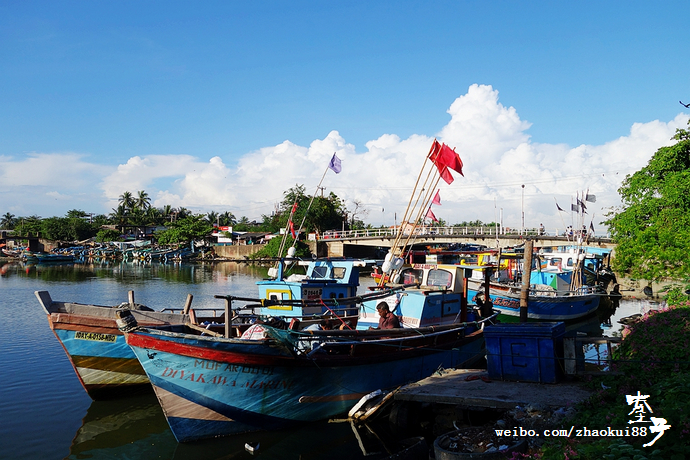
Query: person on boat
[387, 319]
[542, 230]
[323, 325]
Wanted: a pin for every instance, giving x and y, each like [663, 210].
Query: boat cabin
[436, 299]
[325, 279]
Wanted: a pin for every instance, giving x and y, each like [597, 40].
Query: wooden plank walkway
[452, 387]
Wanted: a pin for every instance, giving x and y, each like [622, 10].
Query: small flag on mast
[430, 215]
[437, 198]
[334, 164]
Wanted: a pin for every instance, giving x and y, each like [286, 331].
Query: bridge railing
[441, 231]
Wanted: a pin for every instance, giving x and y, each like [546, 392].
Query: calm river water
[45, 413]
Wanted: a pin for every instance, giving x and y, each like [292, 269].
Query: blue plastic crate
[525, 352]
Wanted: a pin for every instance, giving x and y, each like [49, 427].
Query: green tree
[185, 230]
[652, 227]
[212, 217]
[108, 234]
[76, 213]
[227, 218]
[8, 221]
[325, 213]
[142, 200]
[65, 229]
[126, 200]
[28, 226]
[119, 216]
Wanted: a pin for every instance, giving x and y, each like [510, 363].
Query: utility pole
[522, 230]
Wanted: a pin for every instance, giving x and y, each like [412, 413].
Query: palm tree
[126, 200]
[142, 201]
[212, 217]
[227, 218]
[119, 216]
[8, 221]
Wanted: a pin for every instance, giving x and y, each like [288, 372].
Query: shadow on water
[132, 427]
[135, 427]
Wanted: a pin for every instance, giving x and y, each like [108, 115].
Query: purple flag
[335, 164]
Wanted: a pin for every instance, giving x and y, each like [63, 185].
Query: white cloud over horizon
[492, 140]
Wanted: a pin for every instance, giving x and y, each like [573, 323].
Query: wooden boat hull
[105, 364]
[216, 387]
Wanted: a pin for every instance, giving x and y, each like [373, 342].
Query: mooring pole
[131, 299]
[187, 304]
[228, 320]
[526, 274]
[488, 308]
[463, 300]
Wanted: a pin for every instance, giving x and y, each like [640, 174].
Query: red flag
[294, 207]
[430, 215]
[444, 158]
[442, 169]
[451, 159]
[437, 198]
[292, 229]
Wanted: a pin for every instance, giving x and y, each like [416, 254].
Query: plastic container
[525, 352]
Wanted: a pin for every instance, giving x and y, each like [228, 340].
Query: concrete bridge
[363, 243]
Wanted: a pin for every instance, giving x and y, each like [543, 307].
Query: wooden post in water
[526, 275]
[187, 304]
[130, 295]
[488, 308]
[463, 300]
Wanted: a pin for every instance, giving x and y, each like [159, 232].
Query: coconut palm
[227, 218]
[8, 221]
[119, 216]
[212, 217]
[142, 201]
[126, 200]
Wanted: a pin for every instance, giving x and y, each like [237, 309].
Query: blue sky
[224, 105]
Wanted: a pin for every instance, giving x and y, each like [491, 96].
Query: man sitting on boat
[387, 319]
[323, 325]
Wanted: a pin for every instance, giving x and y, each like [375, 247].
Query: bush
[107, 234]
[272, 249]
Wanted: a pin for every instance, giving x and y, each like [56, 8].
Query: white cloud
[498, 154]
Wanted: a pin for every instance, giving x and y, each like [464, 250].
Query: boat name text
[95, 336]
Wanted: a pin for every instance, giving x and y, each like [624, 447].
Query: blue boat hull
[544, 308]
[219, 387]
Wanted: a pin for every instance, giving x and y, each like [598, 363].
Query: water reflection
[132, 427]
[136, 272]
[135, 427]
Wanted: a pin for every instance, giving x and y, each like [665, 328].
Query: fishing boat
[105, 365]
[215, 386]
[553, 296]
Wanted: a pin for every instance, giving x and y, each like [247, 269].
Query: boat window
[439, 278]
[570, 262]
[339, 272]
[411, 276]
[555, 262]
[320, 271]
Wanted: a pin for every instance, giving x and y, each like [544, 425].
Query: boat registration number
[311, 293]
[95, 336]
